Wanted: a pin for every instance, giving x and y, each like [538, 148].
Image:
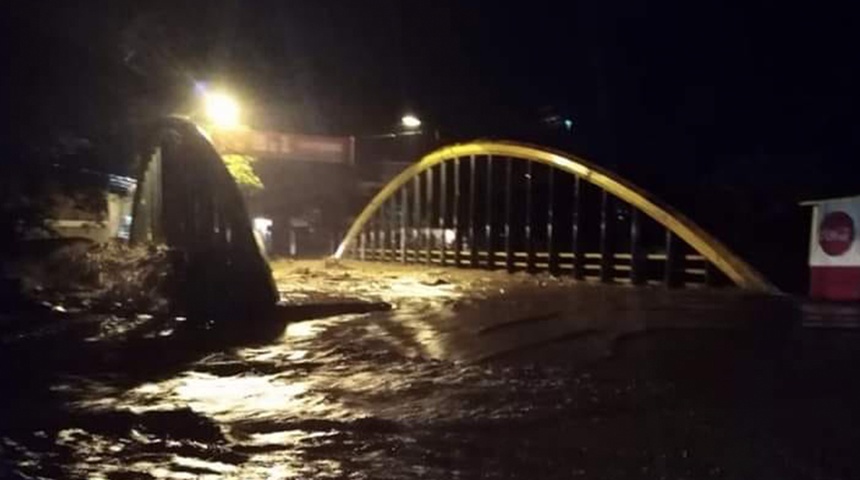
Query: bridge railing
[499, 205]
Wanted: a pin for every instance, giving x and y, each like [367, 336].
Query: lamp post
[379, 157]
[410, 126]
[221, 109]
[410, 122]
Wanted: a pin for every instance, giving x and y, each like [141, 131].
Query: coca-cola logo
[836, 233]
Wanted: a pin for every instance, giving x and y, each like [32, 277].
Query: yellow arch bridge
[521, 207]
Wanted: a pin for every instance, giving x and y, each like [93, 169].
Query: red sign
[836, 233]
[291, 147]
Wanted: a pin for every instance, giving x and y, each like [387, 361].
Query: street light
[221, 109]
[410, 121]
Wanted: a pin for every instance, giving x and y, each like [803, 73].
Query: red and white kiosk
[834, 249]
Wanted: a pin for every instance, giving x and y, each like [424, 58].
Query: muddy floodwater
[451, 374]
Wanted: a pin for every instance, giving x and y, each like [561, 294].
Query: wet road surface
[468, 375]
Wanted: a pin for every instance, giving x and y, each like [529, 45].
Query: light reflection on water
[325, 386]
[379, 396]
[410, 287]
[353, 393]
[231, 396]
[302, 329]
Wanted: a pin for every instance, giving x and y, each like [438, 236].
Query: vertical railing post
[380, 244]
[416, 224]
[391, 233]
[509, 214]
[637, 265]
[404, 221]
[576, 232]
[372, 224]
[294, 248]
[606, 254]
[529, 233]
[671, 279]
[383, 215]
[443, 213]
[456, 222]
[428, 223]
[362, 244]
[488, 219]
[552, 252]
[473, 248]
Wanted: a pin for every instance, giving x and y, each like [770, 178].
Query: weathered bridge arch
[187, 200]
[430, 213]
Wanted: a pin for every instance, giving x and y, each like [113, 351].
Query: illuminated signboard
[283, 146]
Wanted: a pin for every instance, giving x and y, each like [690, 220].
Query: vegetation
[242, 169]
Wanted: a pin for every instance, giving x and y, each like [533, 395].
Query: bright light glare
[262, 224]
[222, 110]
[450, 236]
[410, 121]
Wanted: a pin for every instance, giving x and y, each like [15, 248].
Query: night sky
[706, 103]
[684, 82]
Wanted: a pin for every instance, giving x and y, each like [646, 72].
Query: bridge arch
[187, 200]
[711, 249]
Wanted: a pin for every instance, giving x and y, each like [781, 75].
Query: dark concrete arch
[187, 200]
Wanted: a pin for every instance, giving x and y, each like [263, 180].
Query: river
[468, 375]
